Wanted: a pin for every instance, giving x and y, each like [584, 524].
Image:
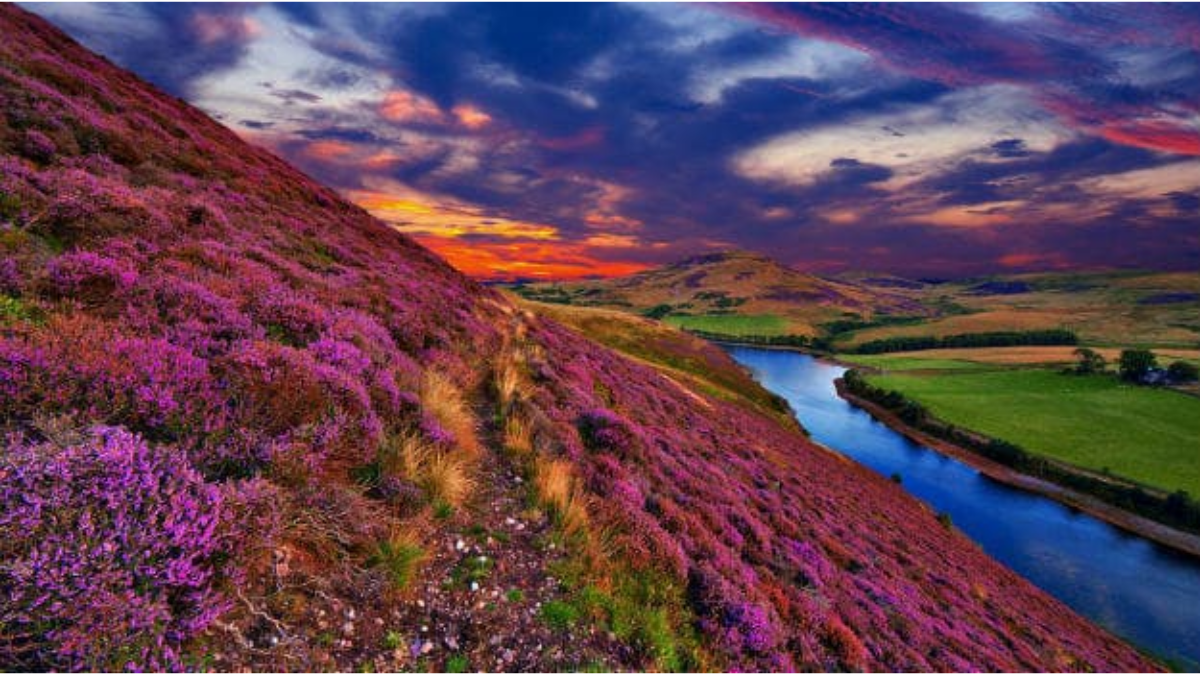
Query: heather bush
[111, 553]
[604, 431]
[38, 146]
[90, 278]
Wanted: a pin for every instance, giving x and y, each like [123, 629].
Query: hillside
[248, 426]
[1116, 308]
[738, 293]
[676, 353]
[733, 292]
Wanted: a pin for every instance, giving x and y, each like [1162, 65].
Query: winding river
[1148, 594]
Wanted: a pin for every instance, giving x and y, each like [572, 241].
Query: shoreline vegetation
[1074, 487]
[1168, 518]
[1124, 519]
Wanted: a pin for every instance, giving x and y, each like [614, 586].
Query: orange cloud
[471, 117]
[328, 150]
[405, 106]
[1043, 260]
[415, 214]
[525, 259]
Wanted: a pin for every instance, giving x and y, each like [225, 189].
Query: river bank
[1142, 527]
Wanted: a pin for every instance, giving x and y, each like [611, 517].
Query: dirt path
[476, 601]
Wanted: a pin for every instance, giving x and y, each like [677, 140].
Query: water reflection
[1140, 590]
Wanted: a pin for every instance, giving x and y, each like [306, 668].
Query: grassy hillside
[1121, 308]
[246, 426]
[744, 294]
[680, 356]
[734, 292]
[1096, 422]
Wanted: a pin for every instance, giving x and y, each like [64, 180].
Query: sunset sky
[560, 141]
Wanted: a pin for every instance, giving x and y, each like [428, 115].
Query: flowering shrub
[38, 146]
[90, 277]
[604, 431]
[111, 554]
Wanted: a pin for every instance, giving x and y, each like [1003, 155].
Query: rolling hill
[248, 426]
[738, 293]
[734, 292]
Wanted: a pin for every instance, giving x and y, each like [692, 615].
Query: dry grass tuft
[445, 401]
[518, 434]
[559, 490]
[446, 478]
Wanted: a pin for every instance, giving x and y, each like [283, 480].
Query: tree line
[1047, 337]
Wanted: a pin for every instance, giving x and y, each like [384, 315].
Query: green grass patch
[474, 568]
[734, 325]
[399, 558]
[559, 615]
[1097, 422]
[13, 310]
[458, 663]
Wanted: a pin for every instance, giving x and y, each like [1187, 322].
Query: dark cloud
[629, 119]
[169, 44]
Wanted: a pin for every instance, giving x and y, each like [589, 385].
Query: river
[1144, 592]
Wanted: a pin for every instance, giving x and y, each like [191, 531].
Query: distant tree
[1089, 361]
[1182, 371]
[1135, 363]
[658, 311]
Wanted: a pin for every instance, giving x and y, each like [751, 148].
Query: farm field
[733, 324]
[1096, 422]
[998, 357]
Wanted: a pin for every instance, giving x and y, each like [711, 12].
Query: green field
[1149, 435]
[733, 324]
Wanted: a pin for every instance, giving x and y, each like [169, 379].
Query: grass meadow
[1096, 422]
[733, 324]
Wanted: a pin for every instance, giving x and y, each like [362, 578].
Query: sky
[559, 141]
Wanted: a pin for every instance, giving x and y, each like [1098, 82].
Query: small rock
[427, 647]
[474, 586]
[421, 604]
[459, 545]
[378, 621]
[350, 614]
[451, 643]
[510, 521]
[348, 628]
[424, 629]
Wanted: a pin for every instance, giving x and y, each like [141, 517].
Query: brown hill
[735, 283]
